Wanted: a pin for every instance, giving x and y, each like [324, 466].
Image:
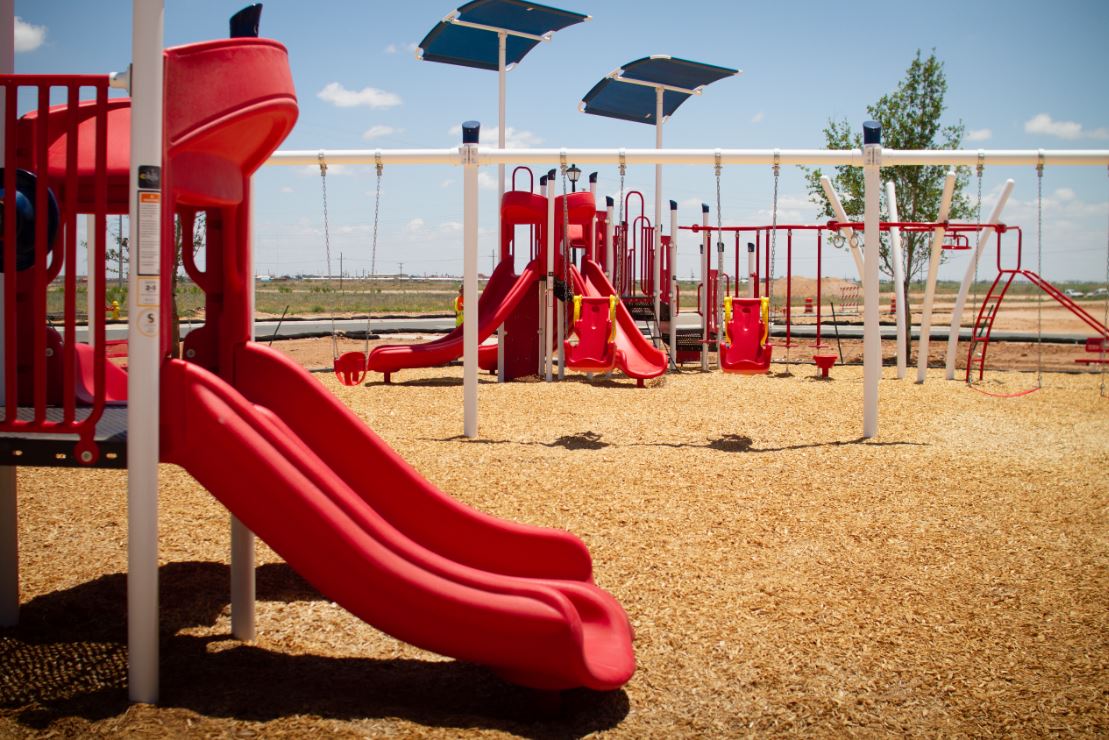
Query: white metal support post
[673, 288]
[470, 133]
[872, 338]
[144, 313]
[502, 45]
[242, 539]
[706, 257]
[548, 287]
[656, 273]
[9, 512]
[933, 274]
[898, 276]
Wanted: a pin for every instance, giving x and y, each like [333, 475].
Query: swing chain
[717, 307]
[1039, 267]
[719, 209]
[978, 220]
[380, 168]
[327, 247]
[774, 230]
[620, 235]
[564, 291]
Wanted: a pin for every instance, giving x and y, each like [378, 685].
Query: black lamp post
[573, 173]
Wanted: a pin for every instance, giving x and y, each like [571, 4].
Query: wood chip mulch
[785, 577]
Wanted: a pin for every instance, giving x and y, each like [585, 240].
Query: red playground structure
[601, 333]
[289, 460]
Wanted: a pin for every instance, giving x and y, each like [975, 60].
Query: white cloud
[369, 97]
[450, 227]
[486, 181]
[286, 189]
[28, 37]
[378, 131]
[446, 183]
[757, 118]
[391, 49]
[415, 226]
[979, 134]
[513, 138]
[691, 205]
[1044, 124]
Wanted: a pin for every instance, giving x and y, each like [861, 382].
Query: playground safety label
[150, 232]
[148, 291]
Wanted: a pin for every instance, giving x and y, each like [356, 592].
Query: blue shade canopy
[468, 36]
[629, 92]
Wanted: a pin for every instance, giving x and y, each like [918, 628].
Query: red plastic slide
[635, 355]
[503, 291]
[346, 512]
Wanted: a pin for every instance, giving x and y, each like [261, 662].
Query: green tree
[911, 119]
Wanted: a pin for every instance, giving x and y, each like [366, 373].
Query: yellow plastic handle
[612, 301]
[765, 321]
[728, 320]
[577, 308]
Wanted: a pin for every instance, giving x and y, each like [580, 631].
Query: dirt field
[784, 577]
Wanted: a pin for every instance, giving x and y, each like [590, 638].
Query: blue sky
[1021, 74]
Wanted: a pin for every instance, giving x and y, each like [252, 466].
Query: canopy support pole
[9, 527]
[470, 133]
[656, 272]
[502, 43]
[144, 362]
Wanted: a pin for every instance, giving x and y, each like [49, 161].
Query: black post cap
[750, 246]
[244, 24]
[592, 177]
[542, 181]
[471, 132]
[610, 202]
[872, 132]
[551, 174]
[704, 208]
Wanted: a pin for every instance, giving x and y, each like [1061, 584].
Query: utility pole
[400, 269]
[340, 270]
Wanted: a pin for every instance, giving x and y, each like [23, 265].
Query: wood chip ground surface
[785, 577]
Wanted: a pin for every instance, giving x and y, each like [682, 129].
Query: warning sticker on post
[150, 232]
[148, 291]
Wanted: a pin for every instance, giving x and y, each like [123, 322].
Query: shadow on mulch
[743, 443]
[68, 658]
[579, 441]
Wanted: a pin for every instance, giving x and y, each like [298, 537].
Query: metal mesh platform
[689, 340]
[56, 450]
